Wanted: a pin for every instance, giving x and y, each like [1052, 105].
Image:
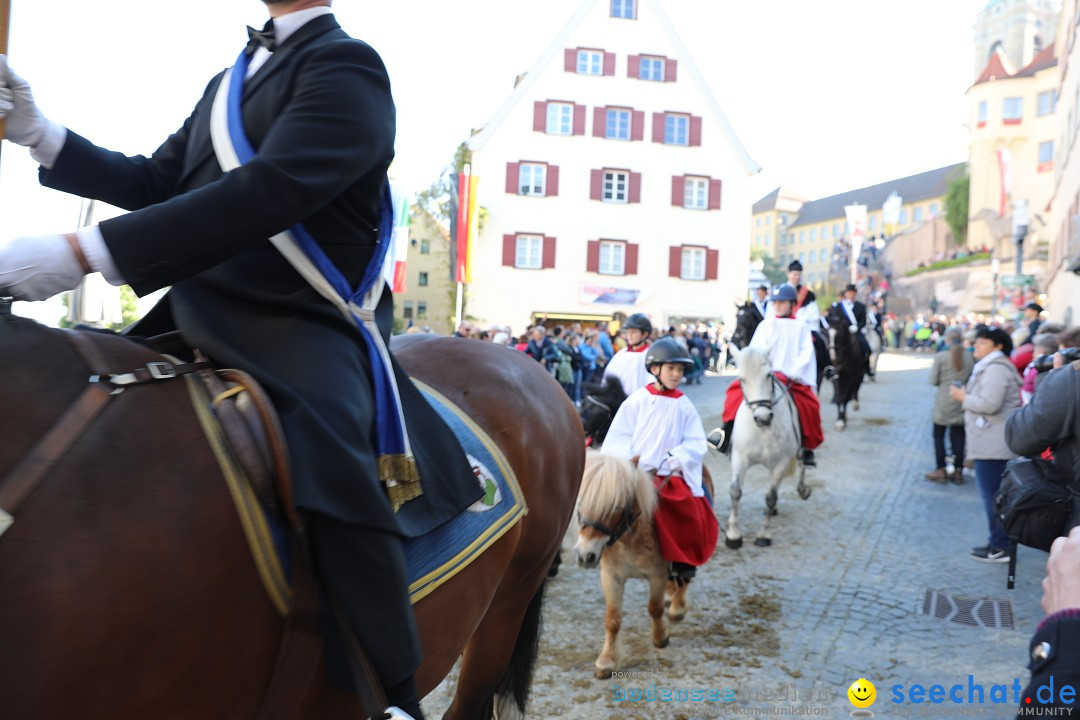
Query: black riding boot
[682, 573]
[725, 446]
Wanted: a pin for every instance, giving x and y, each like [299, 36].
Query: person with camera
[1052, 419]
[992, 393]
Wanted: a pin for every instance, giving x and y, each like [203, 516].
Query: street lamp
[995, 268]
[1020, 230]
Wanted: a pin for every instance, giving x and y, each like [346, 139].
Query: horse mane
[608, 481]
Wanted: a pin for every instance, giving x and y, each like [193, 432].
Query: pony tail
[956, 354]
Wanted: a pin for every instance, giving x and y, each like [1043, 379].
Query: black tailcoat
[322, 120]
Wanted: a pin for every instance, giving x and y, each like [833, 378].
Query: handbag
[1032, 504]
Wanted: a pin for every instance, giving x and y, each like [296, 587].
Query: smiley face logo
[862, 693]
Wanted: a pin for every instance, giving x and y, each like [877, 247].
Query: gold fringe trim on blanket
[401, 477]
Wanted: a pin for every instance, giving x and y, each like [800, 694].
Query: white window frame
[560, 119]
[618, 121]
[626, 9]
[652, 68]
[590, 62]
[1050, 145]
[1012, 108]
[903, 217]
[616, 186]
[532, 179]
[696, 193]
[813, 234]
[676, 128]
[612, 258]
[529, 252]
[872, 221]
[1047, 103]
[692, 266]
[917, 214]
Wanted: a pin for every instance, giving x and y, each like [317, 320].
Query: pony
[766, 432]
[602, 401]
[129, 588]
[850, 360]
[615, 515]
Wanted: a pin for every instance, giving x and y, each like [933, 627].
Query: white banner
[890, 210]
[856, 221]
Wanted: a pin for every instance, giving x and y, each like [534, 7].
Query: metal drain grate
[976, 612]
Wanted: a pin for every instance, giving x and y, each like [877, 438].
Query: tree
[771, 266]
[956, 207]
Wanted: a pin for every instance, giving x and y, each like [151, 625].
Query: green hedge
[941, 264]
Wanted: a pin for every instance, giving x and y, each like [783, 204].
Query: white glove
[853, 329]
[36, 268]
[25, 123]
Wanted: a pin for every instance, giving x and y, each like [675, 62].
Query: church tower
[1021, 29]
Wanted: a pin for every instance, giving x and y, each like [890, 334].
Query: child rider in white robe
[660, 429]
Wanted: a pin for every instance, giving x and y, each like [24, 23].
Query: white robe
[809, 314]
[656, 427]
[629, 367]
[790, 348]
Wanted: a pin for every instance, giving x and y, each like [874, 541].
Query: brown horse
[128, 588]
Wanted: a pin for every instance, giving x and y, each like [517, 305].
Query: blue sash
[396, 465]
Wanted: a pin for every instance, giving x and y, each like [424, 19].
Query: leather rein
[21, 481]
[628, 518]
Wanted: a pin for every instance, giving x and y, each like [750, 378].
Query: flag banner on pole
[398, 252]
[473, 223]
[1005, 177]
[462, 228]
[856, 222]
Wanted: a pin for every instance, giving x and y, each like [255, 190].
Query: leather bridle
[628, 518]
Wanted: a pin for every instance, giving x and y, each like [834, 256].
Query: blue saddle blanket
[437, 556]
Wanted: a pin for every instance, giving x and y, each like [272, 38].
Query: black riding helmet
[637, 321]
[667, 350]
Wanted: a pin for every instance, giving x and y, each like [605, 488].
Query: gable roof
[766, 203]
[1042, 61]
[913, 188]
[478, 140]
[782, 198]
[996, 69]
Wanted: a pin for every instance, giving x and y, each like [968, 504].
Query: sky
[826, 95]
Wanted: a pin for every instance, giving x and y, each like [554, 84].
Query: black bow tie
[264, 38]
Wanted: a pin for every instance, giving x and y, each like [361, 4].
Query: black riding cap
[637, 321]
[795, 265]
[667, 350]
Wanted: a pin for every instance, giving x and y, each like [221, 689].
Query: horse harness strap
[628, 518]
[24, 478]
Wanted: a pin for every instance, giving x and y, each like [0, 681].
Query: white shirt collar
[286, 25]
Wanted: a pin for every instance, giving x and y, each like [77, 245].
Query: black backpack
[1032, 503]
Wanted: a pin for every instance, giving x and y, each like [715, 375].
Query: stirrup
[830, 372]
[715, 438]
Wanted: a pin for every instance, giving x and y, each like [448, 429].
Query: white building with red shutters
[613, 182]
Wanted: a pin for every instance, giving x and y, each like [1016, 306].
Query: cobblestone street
[838, 596]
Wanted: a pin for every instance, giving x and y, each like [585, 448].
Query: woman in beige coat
[992, 393]
[952, 365]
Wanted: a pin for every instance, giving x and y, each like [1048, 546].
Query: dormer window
[624, 9]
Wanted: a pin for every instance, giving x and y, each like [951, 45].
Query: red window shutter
[633, 66]
[549, 252]
[714, 194]
[695, 130]
[509, 250]
[592, 257]
[658, 127]
[596, 185]
[540, 116]
[678, 190]
[670, 66]
[512, 170]
[552, 188]
[637, 125]
[570, 60]
[712, 263]
[675, 261]
[579, 119]
[631, 259]
[599, 122]
[609, 63]
[635, 188]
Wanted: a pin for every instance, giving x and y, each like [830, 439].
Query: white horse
[615, 513]
[766, 432]
[875, 350]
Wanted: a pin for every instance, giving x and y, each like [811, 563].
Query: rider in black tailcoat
[856, 312]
